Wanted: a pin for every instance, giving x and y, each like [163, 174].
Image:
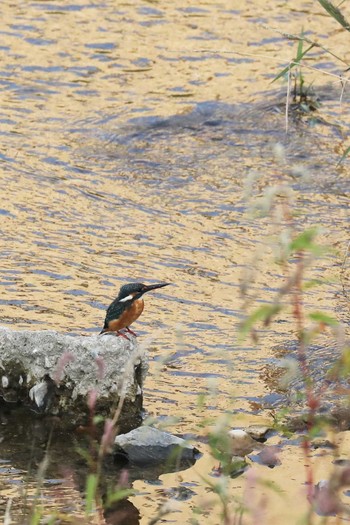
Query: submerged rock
[53, 374]
[147, 445]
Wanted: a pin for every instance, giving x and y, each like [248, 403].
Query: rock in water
[53, 373]
[147, 445]
[241, 443]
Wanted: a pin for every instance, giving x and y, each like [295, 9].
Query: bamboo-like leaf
[335, 13]
[321, 317]
[264, 313]
[294, 62]
[304, 241]
[291, 36]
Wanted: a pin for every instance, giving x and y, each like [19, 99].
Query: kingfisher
[127, 307]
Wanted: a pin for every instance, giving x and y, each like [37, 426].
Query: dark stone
[148, 446]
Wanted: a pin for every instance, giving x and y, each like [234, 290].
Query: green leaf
[119, 495]
[294, 62]
[272, 486]
[335, 13]
[321, 317]
[345, 363]
[36, 516]
[314, 282]
[86, 455]
[263, 313]
[201, 399]
[300, 48]
[98, 419]
[304, 241]
[317, 426]
[90, 492]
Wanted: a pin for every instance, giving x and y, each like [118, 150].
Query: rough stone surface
[241, 443]
[53, 374]
[257, 431]
[147, 445]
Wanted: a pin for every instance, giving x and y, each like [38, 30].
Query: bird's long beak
[153, 287]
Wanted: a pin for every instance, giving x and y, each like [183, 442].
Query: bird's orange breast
[128, 316]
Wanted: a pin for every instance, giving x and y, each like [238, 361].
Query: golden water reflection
[134, 139]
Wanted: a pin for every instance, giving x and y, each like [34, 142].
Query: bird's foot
[131, 332]
[116, 333]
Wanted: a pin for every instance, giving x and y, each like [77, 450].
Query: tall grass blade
[300, 48]
[292, 64]
[345, 154]
[264, 313]
[90, 493]
[335, 13]
[290, 36]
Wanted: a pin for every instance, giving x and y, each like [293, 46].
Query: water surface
[135, 139]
